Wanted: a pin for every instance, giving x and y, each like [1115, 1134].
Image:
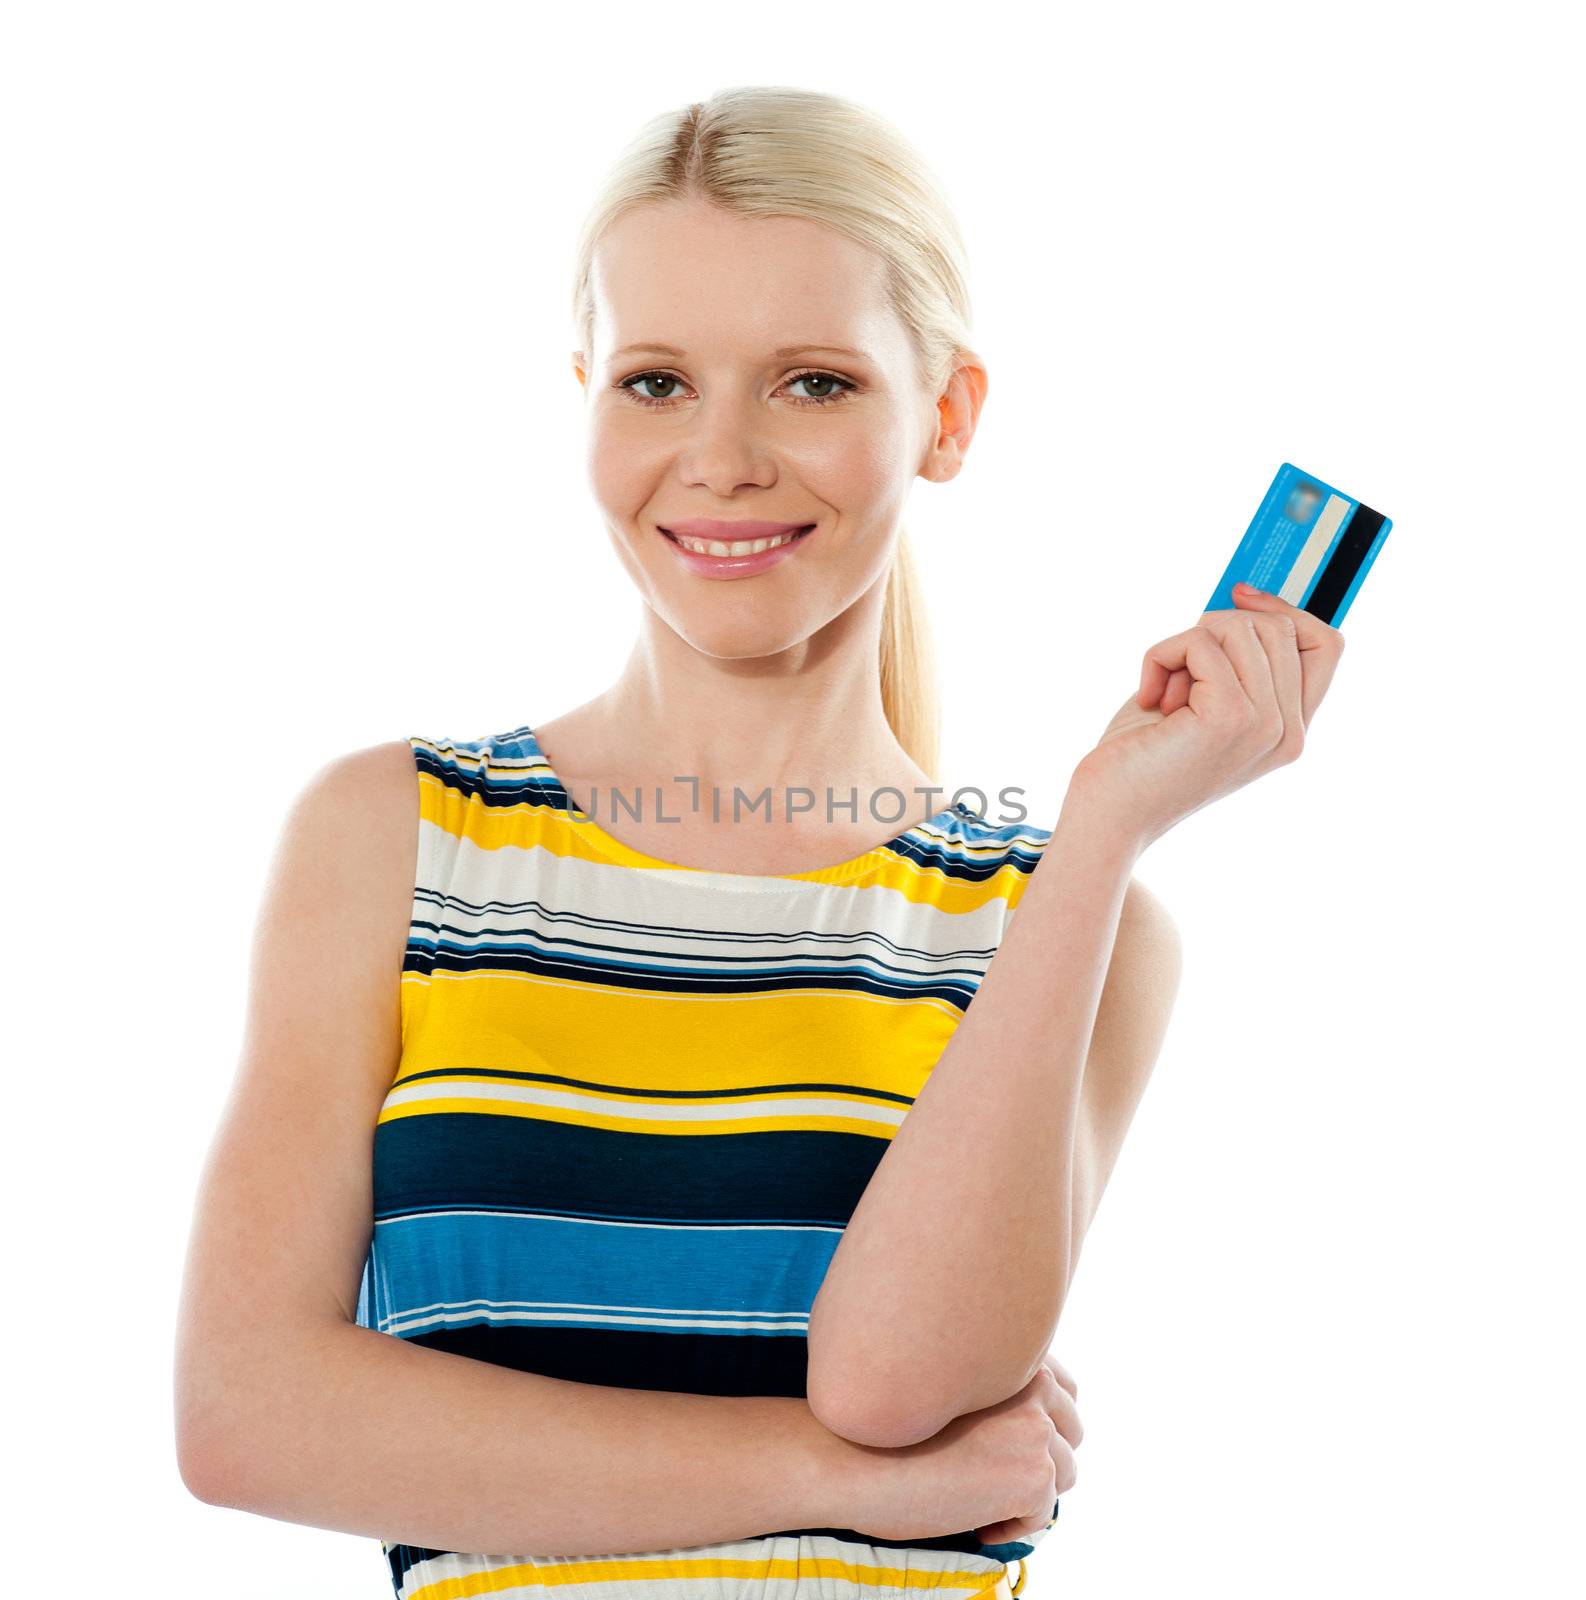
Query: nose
[723, 449]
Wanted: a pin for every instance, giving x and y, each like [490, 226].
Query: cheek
[617, 463]
[855, 468]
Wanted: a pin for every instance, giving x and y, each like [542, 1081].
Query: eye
[841, 392]
[815, 376]
[647, 377]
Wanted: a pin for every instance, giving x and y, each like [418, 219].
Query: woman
[665, 1322]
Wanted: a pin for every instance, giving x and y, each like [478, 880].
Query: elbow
[892, 1415]
[202, 1471]
[869, 1417]
[206, 1455]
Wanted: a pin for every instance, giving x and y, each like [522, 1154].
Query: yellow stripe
[567, 1574]
[632, 1040]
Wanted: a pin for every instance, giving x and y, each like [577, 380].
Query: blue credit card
[1308, 544]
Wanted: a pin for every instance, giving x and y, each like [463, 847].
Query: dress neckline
[849, 871]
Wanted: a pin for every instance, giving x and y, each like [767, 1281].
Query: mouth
[736, 549]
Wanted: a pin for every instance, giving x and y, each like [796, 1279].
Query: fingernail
[1249, 588]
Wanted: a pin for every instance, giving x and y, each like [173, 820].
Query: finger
[1058, 1396]
[1280, 640]
[1061, 1373]
[1007, 1532]
[1065, 1474]
[1177, 693]
[1320, 646]
[1161, 684]
[1236, 631]
[1198, 652]
[1168, 699]
[1065, 1418]
[1153, 679]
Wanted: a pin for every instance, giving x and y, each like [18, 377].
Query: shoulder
[371, 784]
[336, 908]
[352, 826]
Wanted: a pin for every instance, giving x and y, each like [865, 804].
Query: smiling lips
[709, 536]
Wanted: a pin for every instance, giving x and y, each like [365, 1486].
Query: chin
[752, 642]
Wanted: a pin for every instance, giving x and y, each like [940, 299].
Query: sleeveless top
[637, 1103]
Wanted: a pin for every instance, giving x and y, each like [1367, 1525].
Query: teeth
[737, 547]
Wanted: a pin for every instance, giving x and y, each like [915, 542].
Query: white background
[293, 466]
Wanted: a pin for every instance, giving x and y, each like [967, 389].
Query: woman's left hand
[1188, 737]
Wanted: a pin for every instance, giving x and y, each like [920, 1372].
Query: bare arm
[284, 1405]
[347, 1428]
[1001, 1159]
[1136, 1007]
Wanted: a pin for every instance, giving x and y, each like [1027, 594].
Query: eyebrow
[781, 354]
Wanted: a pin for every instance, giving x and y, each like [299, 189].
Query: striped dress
[636, 1104]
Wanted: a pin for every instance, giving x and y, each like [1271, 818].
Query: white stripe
[1309, 558]
[476, 1304]
[645, 1111]
[400, 1325]
[608, 1222]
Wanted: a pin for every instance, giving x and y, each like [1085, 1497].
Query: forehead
[711, 282]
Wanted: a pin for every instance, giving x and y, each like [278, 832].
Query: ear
[579, 367]
[957, 412]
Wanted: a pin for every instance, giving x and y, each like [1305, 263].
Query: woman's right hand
[998, 1471]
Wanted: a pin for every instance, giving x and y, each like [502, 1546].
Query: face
[725, 428]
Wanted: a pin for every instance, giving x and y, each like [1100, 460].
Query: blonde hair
[763, 152]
